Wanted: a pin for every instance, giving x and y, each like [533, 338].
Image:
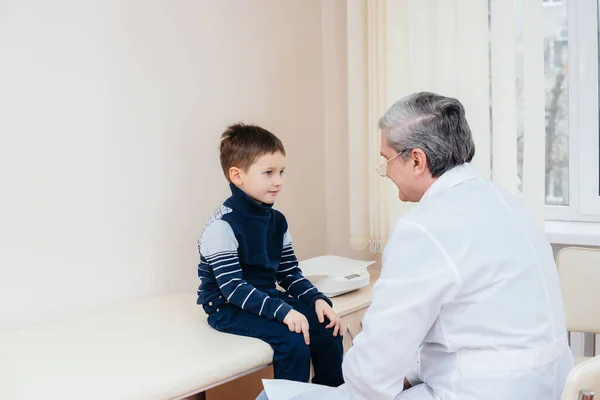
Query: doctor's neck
[422, 185]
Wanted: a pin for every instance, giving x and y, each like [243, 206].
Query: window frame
[552, 2]
[584, 132]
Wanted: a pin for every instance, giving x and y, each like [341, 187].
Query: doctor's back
[467, 276]
[502, 327]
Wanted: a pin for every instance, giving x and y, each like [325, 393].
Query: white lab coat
[468, 274]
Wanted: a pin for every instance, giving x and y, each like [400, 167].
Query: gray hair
[434, 124]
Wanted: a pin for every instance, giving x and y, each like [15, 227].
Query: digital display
[352, 276]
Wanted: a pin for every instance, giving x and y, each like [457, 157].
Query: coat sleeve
[417, 278]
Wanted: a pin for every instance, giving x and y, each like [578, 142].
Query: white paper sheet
[288, 390]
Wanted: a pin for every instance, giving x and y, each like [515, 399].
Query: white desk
[159, 348]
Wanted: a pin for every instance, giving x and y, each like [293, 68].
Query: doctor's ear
[420, 163]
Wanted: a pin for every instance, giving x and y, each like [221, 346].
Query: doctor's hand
[323, 309]
[298, 323]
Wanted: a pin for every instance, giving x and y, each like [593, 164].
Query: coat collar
[453, 177]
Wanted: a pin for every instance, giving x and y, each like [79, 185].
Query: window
[555, 28]
[571, 67]
[586, 70]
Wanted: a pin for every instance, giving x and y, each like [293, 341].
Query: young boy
[246, 248]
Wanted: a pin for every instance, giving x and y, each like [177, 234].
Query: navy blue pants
[291, 359]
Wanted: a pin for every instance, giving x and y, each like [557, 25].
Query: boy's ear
[235, 176]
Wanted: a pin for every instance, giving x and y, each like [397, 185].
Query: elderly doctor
[468, 278]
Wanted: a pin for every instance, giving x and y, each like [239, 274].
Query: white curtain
[366, 103]
[459, 48]
[534, 153]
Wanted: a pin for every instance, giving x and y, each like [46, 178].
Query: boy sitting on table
[246, 248]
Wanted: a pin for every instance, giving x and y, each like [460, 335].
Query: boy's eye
[268, 173]
[281, 173]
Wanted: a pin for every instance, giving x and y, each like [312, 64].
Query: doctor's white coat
[468, 275]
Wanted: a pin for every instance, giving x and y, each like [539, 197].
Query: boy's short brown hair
[242, 144]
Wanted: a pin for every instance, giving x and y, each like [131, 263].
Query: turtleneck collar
[240, 201]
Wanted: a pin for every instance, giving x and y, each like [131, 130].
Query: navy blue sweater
[245, 249]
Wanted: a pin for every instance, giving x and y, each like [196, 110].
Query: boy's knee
[339, 339]
[324, 335]
[334, 340]
[332, 345]
[296, 346]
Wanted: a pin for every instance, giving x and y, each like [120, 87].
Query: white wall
[110, 119]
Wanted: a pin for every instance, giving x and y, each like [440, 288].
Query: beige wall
[111, 118]
[336, 129]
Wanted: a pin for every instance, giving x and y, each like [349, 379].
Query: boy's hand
[323, 309]
[297, 323]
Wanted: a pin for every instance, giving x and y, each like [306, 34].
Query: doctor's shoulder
[421, 226]
[424, 213]
[404, 229]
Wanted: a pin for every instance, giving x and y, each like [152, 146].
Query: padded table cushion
[158, 348]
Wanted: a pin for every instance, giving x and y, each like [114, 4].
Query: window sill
[573, 233]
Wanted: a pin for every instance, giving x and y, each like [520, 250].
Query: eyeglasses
[382, 168]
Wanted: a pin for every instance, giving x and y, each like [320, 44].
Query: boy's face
[263, 180]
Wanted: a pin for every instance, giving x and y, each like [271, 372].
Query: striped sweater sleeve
[220, 249]
[290, 278]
